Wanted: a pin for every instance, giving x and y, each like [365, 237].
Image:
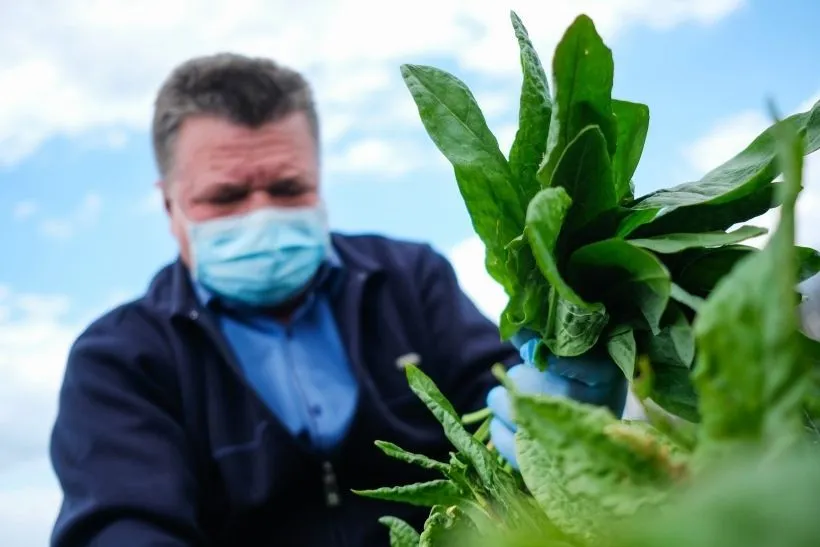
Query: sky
[82, 228]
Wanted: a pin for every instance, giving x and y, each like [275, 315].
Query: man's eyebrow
[221, 187]
[231, 185]
[289, 183]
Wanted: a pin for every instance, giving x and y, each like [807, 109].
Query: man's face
[223, 169]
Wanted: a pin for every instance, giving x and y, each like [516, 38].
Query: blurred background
[81, 228]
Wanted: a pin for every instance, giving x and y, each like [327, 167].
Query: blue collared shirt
[299, 369]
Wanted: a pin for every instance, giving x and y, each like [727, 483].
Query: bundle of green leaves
[586, 264]
[667, 289]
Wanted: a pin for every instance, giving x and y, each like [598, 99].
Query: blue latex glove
[589, 379]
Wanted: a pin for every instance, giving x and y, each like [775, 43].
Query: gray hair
[245, 90]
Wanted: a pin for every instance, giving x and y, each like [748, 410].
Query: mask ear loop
[322, 210]
[188, 227]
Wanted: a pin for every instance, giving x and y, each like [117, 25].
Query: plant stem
[477, 416]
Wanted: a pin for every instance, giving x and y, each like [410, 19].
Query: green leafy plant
[705, 327]
[585, 263]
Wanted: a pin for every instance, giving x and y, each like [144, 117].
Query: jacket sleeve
[118, 452]
[468, 343]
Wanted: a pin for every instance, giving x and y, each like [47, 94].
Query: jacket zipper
[329, 481]
[332, 497]
[332, 494]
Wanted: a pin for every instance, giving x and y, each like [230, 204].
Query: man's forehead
[285, 147]
[217, 131]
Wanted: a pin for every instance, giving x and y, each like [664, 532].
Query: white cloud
[730, 136]
[27, 514]
[24, 209]
[468, 261]
[84, 215]
[36, 332]
[59, 81]
[378, 156]
[34, 339]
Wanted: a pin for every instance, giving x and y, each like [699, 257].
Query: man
[238, 400]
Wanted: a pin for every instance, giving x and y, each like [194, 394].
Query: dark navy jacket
[160, 442]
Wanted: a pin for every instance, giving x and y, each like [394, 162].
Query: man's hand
[588, 379]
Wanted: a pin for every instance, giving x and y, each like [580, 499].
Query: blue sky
[691, 76]
[82, 229]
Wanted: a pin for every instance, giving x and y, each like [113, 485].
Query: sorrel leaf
[633, 125]
[750, 375]
[457, 126]
[583, 72]
[584, 170]
[742, 503]
[534, 112]
[675, 243]
[622, 348]
[545, 216]
[700, 217]
[416, 459]
[679, 295]
[674, 345]
[476, 453]
[624, 277]
[401, 533]
[749, 170]
[426, 494]
[580, 476]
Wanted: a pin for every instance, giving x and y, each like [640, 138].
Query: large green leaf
[544, 220]
[625, 277]
[534, 111]
[585, 172]
[486, 466]
[572, 324]
[572, 330]
[426, 494]
[674, 345]
[633, 125]
[808, 262]
[698, 270]
[583, 72]
[415, 459]
[681, 296]
[748, 171]
[675, 243]
[580, 475]
[527, 304]
[749, 373]
[741, 503]
[622, 349]
[401, 533]
[456, 125]
[441, 529]
[700, 217]
[673, 391]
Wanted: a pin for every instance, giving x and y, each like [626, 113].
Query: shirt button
[193, 314]
[315, 410]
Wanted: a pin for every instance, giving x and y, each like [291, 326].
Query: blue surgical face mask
[262, 258]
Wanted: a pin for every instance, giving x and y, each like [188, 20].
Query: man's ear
[161, 187]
